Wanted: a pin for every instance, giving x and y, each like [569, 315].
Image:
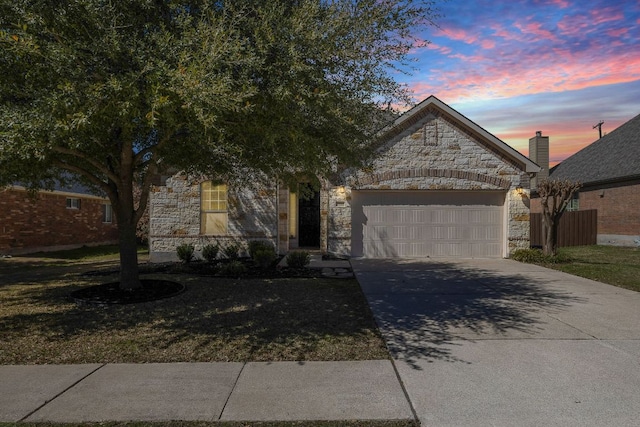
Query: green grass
[618, 266]
[85, 253]
[71, 257]
[216, 319]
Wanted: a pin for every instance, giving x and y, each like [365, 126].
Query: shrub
[560, 258]
[536, 256]
[258, 245]
[298, 259]
[185, 252]
[233, 269]
[231, 251]
[264, 257]
[210, 252]
[262, 253]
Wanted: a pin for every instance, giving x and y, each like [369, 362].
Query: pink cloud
[513, 72]
[562, 4]
[488, 44]
[536, 29]
[617, 32]
[459, 35]
[579, 25]
[444, 50]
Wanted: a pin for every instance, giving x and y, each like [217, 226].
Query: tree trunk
[129, 273]
[550, 246]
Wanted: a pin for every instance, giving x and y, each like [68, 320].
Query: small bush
[210, 252]
[185, 252]
[264, 257]
[233, 269]
[262, 253]
[231, 251]
[536, 256]
[298, 259]
[560, 258]
[258, 245]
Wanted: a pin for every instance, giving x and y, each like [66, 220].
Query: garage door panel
[421, 224]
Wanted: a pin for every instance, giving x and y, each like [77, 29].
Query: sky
[515, 67]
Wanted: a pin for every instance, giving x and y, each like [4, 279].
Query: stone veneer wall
[174, 217]
[434, 155]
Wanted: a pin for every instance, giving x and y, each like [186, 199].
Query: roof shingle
[615, 156]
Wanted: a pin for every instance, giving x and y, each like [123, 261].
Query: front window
[213, 208]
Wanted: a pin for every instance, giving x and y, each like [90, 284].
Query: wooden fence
[575, 229]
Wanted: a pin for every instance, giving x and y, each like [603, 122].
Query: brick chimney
[539, 153]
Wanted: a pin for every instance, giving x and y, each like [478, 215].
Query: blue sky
[516, 67]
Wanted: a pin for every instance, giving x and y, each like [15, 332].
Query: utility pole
[599, 126]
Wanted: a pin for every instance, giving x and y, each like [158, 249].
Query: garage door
[417, 224]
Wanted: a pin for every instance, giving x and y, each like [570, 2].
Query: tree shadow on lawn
[424, 312]
[214, 320]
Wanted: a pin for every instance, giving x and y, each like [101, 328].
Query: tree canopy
[117, 92]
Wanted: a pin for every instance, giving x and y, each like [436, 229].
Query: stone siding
[434, 154]
[174, 217]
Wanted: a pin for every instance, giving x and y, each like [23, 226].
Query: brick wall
[30, 224]
[617, 211]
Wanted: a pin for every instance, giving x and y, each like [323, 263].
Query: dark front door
[309, 221]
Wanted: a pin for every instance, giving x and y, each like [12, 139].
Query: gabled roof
[424, 108]
[614, 157]
[68, 185]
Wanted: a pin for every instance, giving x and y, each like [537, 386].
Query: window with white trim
[73, 203]
[574, 203]
[107, 214]
[213, 209]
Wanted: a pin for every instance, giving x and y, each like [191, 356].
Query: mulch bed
[110, 293]
[154, 289]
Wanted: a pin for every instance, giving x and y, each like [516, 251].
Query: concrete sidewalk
[270, 391]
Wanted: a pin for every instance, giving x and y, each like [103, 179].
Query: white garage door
[417, 224]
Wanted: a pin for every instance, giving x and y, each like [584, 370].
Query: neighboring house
[609, 170]
[439, 186]
[64, 218]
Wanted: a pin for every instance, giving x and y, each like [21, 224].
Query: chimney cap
[538, 133]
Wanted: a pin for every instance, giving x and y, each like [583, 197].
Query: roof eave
[397, 127]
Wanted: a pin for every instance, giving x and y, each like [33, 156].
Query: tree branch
[100, 167]
[73, 168]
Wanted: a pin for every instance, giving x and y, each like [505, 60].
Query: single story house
[609, 170]
[65, 218]
[439, 186]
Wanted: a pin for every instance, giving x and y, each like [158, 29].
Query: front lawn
[216, 319]
[618, 266]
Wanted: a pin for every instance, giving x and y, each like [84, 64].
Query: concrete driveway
[498, 343]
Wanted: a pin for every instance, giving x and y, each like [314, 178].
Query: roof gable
[427, 107]
[615, 156]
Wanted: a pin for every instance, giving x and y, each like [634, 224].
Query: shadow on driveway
[424, 307]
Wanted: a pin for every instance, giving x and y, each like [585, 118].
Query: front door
[309, 221]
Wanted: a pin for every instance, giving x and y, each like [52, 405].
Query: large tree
[554, 199]
[112, 93]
